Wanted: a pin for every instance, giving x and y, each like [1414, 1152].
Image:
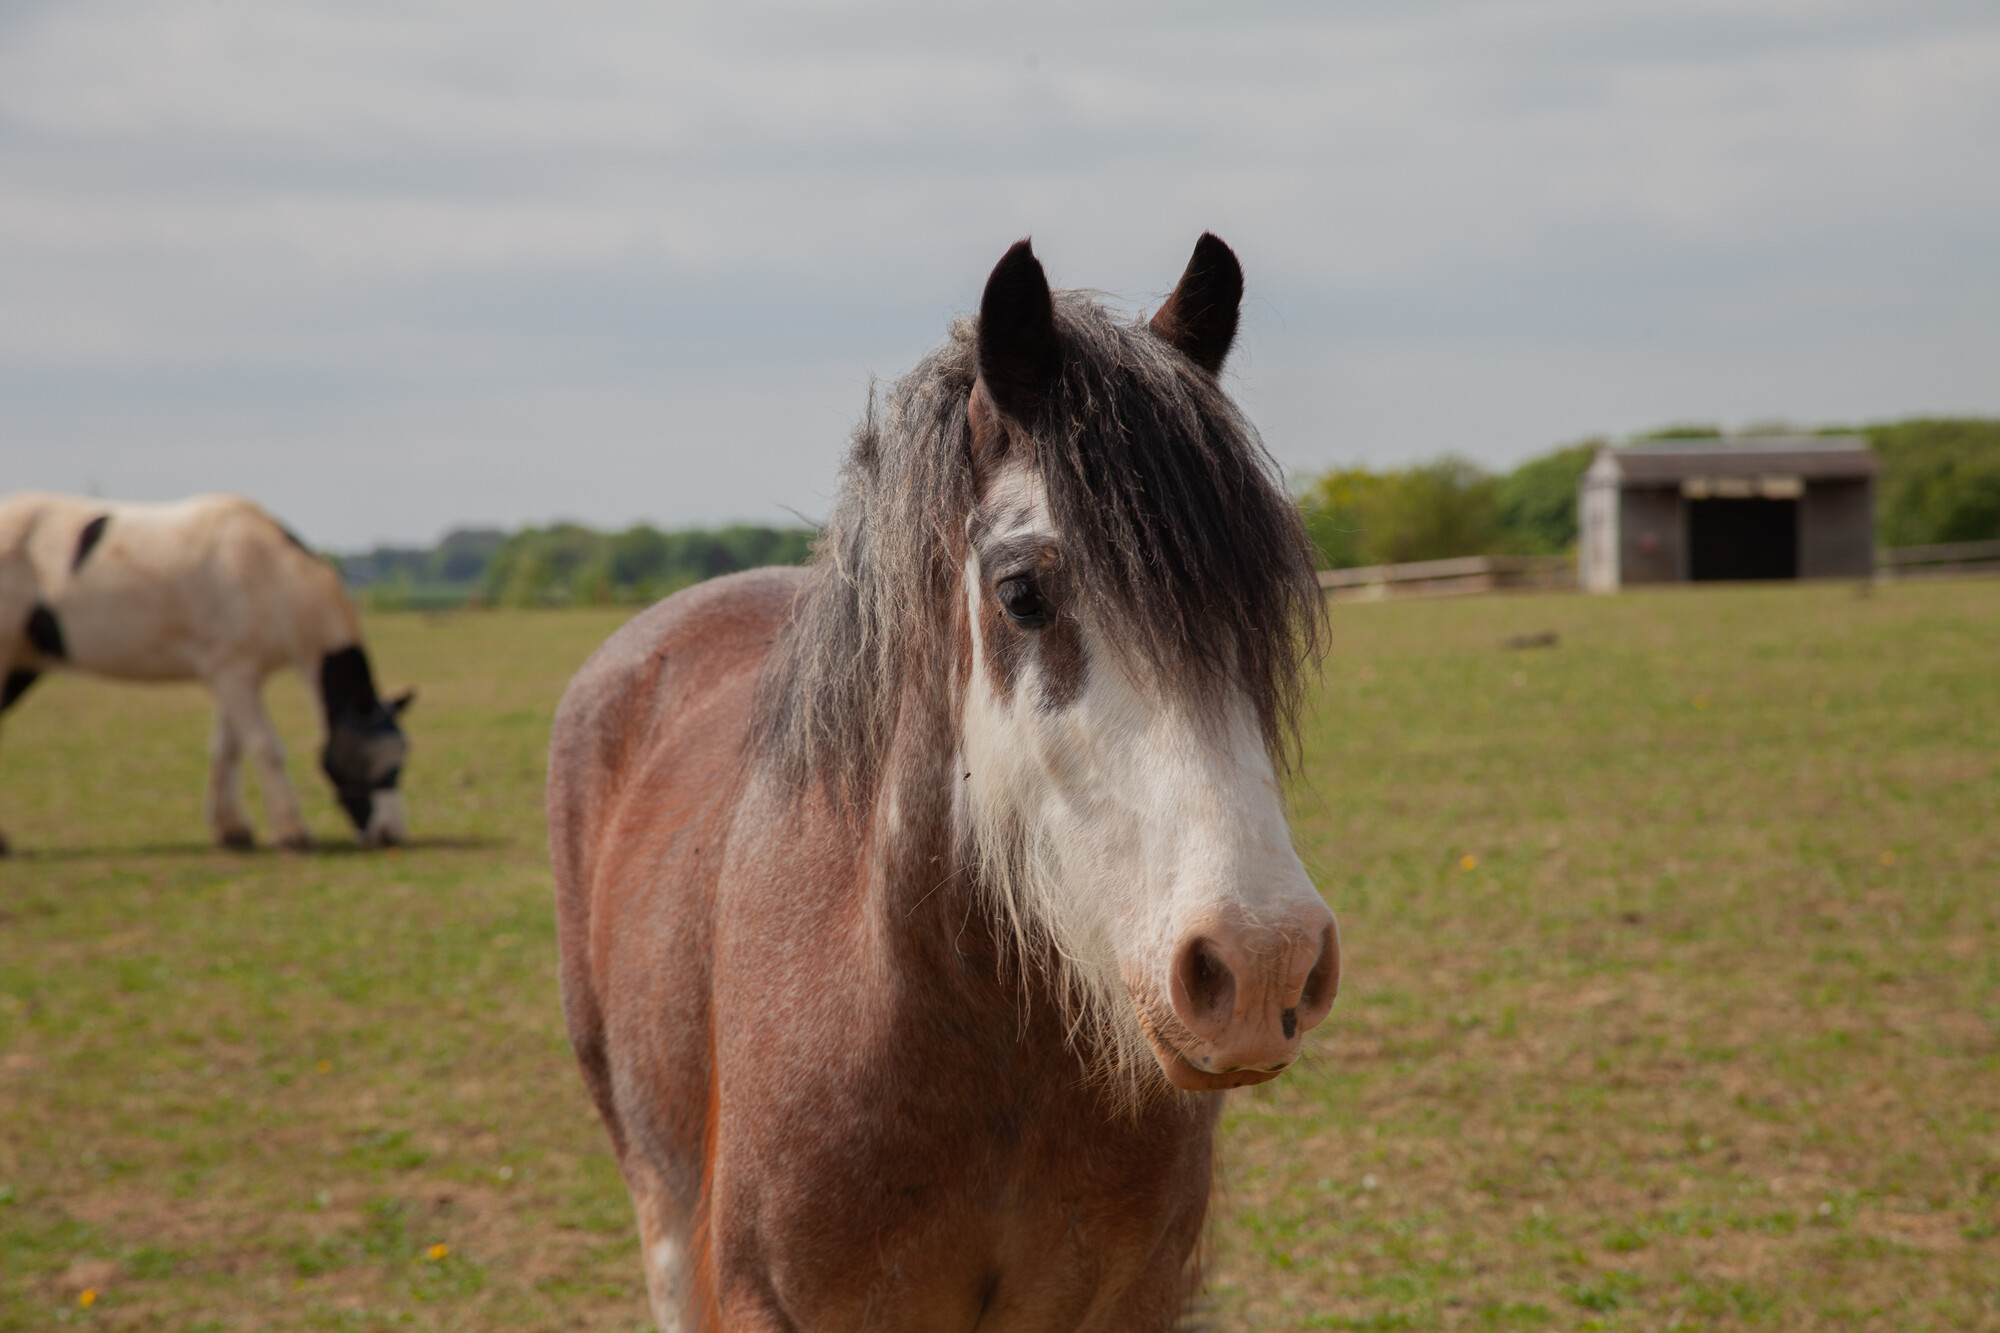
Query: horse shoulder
[263, 599]
[657, 680]
[655, 719]
[643, 749]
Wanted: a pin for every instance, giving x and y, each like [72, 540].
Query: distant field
[1673, 994]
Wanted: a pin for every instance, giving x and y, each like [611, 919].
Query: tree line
[1940, 482]
[564, 564]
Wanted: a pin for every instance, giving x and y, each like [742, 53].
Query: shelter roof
[1808, 457]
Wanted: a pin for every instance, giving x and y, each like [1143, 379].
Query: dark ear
[1018, 356]
[394, 707]
[1200, 317]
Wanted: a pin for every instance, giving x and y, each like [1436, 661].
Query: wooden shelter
[1769, 507]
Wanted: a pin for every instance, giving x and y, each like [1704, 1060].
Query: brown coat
[834, 1105]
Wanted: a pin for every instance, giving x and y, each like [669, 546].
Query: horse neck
[909, 904]
[926, 913]
[332, 623]
[324, 622]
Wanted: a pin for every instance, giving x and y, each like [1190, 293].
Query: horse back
[643, 764]
[168, 591]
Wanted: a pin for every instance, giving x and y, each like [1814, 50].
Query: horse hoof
[236, 839]
[298, 842]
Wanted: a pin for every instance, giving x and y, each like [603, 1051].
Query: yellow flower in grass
[437, 1252]
[88, 1298]
[1468, 862]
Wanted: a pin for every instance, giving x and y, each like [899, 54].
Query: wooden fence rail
[1501, 573]
[1449, 578]
[1946, 560]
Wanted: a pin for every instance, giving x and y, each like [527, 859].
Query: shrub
[1332, 508]
[1538, 501]
[1683, 430]
[1431, 511]
[568, 564]
[1940, 480]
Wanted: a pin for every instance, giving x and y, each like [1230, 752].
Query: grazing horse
[209, 588]
[916, 907]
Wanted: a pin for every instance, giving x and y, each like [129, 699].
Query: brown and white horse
[210, 588]
[915, 907]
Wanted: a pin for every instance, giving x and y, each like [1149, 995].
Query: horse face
[1140, 835]
[364, 760]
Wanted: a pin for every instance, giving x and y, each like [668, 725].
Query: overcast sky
[394, 267]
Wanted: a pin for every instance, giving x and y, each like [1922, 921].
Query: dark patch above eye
[1023, 602]
[1064, 663]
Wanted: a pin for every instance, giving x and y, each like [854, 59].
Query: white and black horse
[212, 589]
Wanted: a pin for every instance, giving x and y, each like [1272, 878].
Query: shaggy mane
[1183, 545]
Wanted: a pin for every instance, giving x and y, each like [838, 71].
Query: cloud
[393, 266]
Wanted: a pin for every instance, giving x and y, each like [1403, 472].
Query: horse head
[1138, 597]
[365, 748]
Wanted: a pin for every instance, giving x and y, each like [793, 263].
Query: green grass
[1703, 1035]
[1673, 986]
[253, 1091]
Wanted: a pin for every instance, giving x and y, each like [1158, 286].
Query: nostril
[1322, 983]
[1290, 1021]
[1204, 987]
[1209, 981]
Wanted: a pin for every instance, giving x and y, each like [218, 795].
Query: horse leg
[17, 683]
[670, 1278]
[754, 1310]
[240, 701]
[663, 1239]
[223, 805]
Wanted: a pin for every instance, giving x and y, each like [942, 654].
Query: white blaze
[1119, 824]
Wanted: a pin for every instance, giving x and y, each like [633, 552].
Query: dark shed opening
[1742, 539]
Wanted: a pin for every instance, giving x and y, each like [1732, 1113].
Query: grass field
[1673, 995]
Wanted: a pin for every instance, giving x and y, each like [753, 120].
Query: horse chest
[951, 1223]
[952, 1165]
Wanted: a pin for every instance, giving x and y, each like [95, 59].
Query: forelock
[1176, 532]
[1190, 558]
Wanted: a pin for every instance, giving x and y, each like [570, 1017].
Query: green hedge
[568, 564]
[564, 564]
[1940, 480]
[1450, 507]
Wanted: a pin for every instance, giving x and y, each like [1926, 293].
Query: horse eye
[1022, 601]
